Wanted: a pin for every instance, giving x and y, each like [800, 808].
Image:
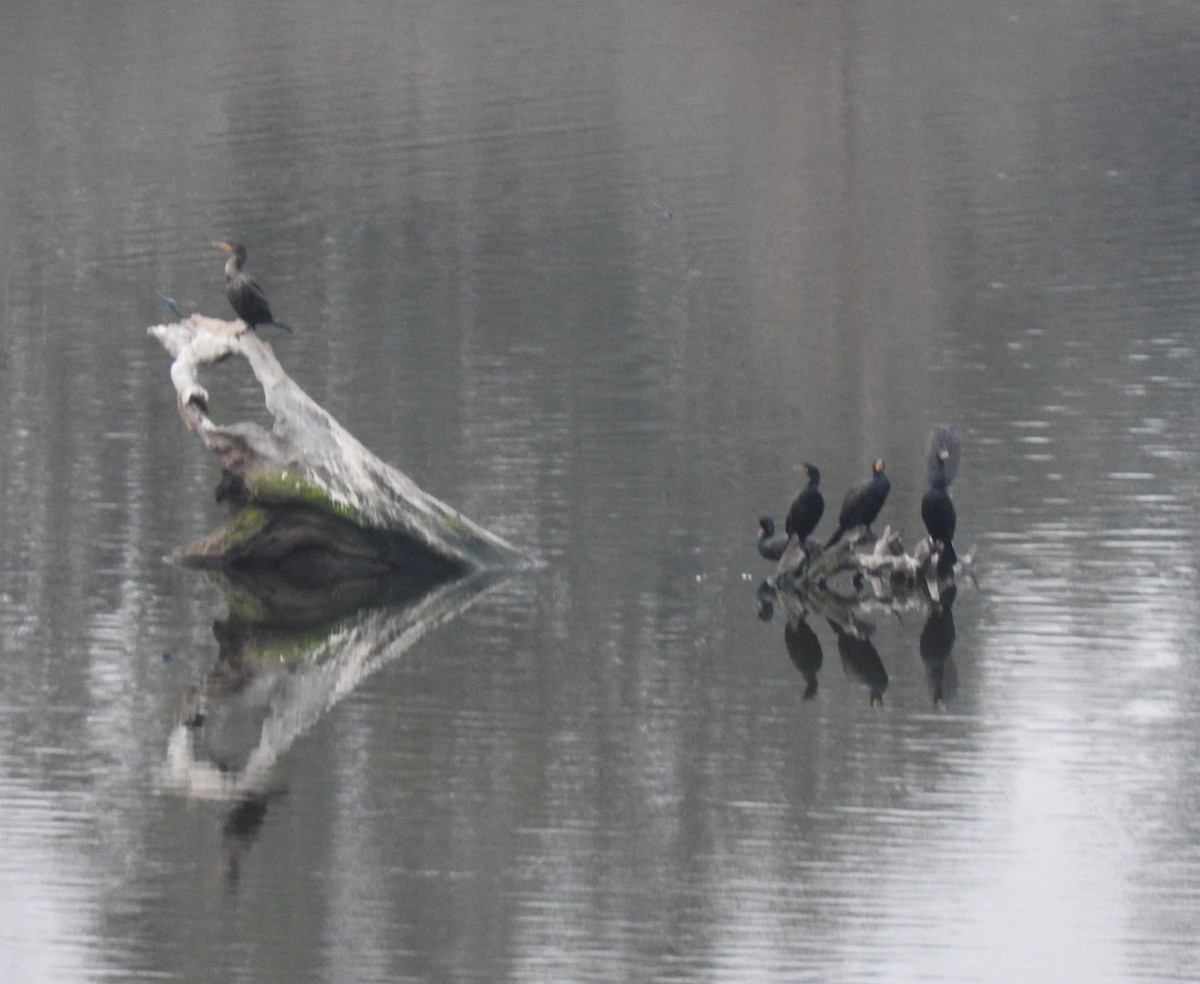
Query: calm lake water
[601, 276]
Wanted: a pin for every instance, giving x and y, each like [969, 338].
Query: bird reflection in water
[803, 646]
[241, 828]
[937, 645]
[765, 598]
[861, 659]
[804, 650]
[224, 715]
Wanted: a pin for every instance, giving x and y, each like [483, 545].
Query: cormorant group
[864, 502]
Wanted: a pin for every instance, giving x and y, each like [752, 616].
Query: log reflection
[279, 669]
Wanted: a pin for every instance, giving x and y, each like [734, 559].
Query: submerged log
[310, 499]
[893, 575]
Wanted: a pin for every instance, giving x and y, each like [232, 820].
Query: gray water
[601, 276]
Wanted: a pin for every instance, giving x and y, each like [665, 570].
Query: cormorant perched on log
[247, 297]
[808, 507]
[806, 511]
[770, 543]
[862, 503]
[937, 510]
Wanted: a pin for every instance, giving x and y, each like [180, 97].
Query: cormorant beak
[228, 247]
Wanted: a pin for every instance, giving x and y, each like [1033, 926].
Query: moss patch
[284, 489]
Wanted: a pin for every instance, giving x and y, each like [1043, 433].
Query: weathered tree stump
[310, 501]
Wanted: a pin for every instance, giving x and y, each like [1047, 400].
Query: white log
[306, 449]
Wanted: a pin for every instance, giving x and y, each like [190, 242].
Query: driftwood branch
[892, 574]
[311, 495]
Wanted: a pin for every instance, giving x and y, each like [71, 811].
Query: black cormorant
[770, 543]
[247, 297]
[808, 507]
[942, 438]
[937, 510]
[862, 503]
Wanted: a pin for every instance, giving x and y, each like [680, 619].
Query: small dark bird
[172, 305]
[937, 510]
[770, 543]
[247, 297]
[862, 503]
[808, 507]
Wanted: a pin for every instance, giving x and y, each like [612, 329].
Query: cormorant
[942, 438]
[862, 503]
[808, 507]
[247, 297]
[937, 510]
[770, 543]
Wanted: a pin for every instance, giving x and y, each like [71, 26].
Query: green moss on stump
[284, 488]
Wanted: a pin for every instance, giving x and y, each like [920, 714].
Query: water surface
[602, 276]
